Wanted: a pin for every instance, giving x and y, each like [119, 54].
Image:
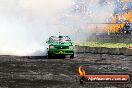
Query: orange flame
[81, 71]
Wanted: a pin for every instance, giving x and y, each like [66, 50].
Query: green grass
[108, 45]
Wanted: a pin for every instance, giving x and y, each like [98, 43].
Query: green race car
[60, 45]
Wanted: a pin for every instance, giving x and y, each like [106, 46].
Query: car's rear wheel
[72, 56]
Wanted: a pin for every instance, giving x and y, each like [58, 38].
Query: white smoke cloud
[87, 12]
[26, 24]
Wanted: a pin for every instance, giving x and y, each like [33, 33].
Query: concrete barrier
[103, 50]
[122, 50]
[128, 52]
[80, 49]
[87, 49]
[114, 51]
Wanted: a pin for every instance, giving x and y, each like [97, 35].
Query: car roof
[60, 35]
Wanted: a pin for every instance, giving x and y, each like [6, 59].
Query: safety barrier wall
[103, 50]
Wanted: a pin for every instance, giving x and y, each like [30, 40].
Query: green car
[60, 45]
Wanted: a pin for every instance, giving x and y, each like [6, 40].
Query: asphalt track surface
[40, 72]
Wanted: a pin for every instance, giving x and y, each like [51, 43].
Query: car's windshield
[59, 38]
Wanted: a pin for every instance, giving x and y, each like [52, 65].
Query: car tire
[49, 55]
[72, 56]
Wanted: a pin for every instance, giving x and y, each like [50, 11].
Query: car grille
[62, 47]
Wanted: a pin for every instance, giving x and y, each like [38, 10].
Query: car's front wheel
[49, 55]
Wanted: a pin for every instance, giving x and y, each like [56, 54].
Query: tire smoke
[25, 25]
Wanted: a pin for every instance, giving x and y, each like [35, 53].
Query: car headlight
[51, 46]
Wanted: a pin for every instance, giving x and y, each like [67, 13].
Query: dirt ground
[40, 72]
